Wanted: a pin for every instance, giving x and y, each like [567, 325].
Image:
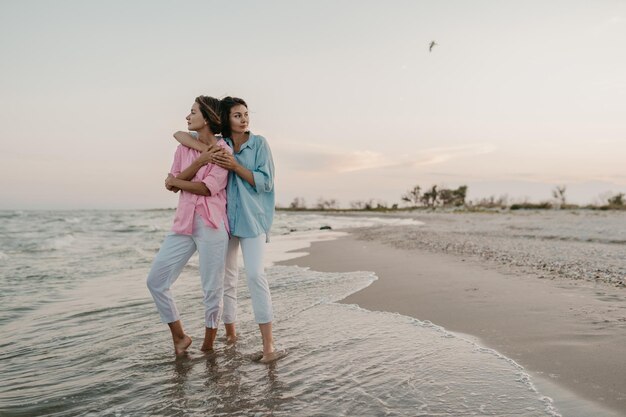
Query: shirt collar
[247, 144]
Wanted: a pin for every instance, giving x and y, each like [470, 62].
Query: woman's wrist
[174, 182]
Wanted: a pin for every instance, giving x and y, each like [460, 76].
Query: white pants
[252, 249]
[172, 257]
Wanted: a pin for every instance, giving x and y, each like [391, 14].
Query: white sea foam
[294, 245]
[286, 222]
[57, 243]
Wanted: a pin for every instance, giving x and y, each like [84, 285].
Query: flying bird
[430, 48]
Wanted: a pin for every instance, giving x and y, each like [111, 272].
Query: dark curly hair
[226, 104]
[210, 109]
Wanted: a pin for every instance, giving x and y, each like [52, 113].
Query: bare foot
[181, 345]
[231, 333]
[274, 356]
[207, 349]
[209, 339]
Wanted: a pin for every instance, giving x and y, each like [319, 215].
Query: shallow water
[82, 336]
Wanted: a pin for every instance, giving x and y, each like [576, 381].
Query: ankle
[230, 329]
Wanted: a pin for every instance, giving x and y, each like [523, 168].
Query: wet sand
[569, 335]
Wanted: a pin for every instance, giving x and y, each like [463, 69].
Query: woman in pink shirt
[250, 215]
[200, 224]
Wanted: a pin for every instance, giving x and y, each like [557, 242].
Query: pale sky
[516, 98]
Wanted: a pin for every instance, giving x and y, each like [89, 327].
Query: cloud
[319, 159]
[436, 156]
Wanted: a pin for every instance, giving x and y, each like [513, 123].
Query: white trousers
[175, 251]
[252, 249]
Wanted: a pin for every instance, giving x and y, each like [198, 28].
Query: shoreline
[553, 328]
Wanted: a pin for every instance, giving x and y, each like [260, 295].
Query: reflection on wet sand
[213, 383]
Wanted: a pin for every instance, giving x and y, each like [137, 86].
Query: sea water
[81, 335]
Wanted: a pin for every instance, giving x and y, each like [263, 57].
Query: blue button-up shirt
[251, 209]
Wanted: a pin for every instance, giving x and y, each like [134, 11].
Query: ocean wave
[152, 228]
[57, 243]
[10, 214]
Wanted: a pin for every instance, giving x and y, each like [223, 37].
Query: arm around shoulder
[188, 140]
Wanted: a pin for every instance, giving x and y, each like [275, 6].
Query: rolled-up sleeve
[178, 163]
[264, 171]
[217, 177]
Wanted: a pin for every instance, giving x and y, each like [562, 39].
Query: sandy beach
[567, 329]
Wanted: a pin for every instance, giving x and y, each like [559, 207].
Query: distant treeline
[558, 201]
[437, 196]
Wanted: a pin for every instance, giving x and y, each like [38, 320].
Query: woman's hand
[225, 160]
[207, 157]
[168, 183]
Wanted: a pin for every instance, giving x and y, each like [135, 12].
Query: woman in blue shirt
[250, 210]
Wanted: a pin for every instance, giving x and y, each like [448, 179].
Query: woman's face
[195, 121]
[239, 119]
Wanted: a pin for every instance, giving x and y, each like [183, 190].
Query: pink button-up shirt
[211, 208]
